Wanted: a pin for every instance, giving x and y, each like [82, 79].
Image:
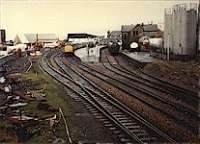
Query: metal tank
[180, 29]
[168, 35]
[191, 31]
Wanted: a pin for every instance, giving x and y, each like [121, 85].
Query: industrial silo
[175, 28]
[180, 29]
[168, 30]
[191, 24]
[184, 29]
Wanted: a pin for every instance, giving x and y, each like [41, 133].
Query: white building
[33, 38]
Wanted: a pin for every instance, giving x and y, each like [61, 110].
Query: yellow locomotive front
[68, 49]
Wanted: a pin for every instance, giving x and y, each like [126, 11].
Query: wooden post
[197, 30]
[198, 121]
[198, 24]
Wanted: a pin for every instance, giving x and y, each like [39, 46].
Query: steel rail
[56, 74]
[179, 106]
[174, 89]
[179, 119]
[87, 91]
[134, 114]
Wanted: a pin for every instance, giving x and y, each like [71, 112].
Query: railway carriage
[114, 48]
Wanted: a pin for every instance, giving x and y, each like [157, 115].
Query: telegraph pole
[197, 30]
[198, 25]
[0, 13]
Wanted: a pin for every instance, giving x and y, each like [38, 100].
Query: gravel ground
[154, 116]
[85, 128]
[17, 65]
[179, 73]
[190, 72]
[82, 124]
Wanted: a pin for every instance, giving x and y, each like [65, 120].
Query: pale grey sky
[92, 16]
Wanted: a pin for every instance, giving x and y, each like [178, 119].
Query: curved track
[131, 127]
[176, 91]
[185, 119]
[155, 91]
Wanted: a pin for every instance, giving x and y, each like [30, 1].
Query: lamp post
[198, 24]
[88, 51]
[168, 46]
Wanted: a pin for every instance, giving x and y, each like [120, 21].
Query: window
[124, 36]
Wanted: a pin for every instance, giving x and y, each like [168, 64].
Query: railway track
[176, 91]
[172, 111]
[131, 127]
[180, 105]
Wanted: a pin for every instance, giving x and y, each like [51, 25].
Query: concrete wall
[94, 54]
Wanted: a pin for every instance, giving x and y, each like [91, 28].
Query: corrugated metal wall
[180, 29]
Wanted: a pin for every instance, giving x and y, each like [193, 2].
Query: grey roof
[31, 38]
[151, 28]
[115, 33]
[127, 28]
[80, 35]
[47, 37]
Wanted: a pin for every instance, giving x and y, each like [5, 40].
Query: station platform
[89, 54]
[142, 57]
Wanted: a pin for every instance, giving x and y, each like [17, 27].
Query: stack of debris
[15, 95]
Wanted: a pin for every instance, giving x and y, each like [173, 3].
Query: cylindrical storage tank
[183, 31]
[191, 23]
[176, 28]
[168, 29]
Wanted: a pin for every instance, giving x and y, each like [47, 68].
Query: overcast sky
[92, 16]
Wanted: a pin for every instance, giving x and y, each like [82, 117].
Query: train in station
[144, 45]
[113, 48]
[76, 41]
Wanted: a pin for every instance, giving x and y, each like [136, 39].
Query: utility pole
[88, 50]
[168, 45]
[0, 13]
[197, 29]
[198, 24]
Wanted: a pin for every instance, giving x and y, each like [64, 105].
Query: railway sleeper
[130, 124]
[124, 140]
[136, 130]
[106, 122]
[118, 115]
[148, 139]
[98, 116]
[125, 120]
[144, 134]
[122, 118]
[112, 128]
[103, 119]
[108, 125]
[117, 132]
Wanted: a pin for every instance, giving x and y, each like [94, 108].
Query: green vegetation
[55, 96]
